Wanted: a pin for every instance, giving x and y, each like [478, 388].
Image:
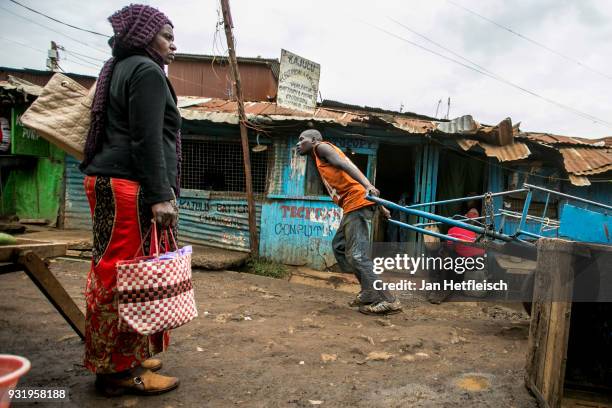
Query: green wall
[36, 191]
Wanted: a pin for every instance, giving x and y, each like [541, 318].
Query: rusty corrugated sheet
[591, 157]
[606, 141]
[579, 180]
[550, 139]
[40, 78]
[201, 75]
[224, 111]
[515, 151]
[586, 160]
[413, 125]
[21, 85]
[466, 144]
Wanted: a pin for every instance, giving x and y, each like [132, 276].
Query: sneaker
[382, 308]
[358, 301]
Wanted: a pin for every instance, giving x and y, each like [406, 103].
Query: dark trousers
[351, 246]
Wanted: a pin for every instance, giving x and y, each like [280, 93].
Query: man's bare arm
[330, 155]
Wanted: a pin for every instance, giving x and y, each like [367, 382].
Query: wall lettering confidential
[217, 213]
[298, 83]
[320, 221]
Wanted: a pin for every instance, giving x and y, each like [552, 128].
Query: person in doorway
[132, 163]
[348, 187]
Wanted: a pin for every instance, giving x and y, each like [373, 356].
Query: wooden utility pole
[227, 20]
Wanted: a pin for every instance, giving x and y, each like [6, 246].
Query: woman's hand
[164, 214]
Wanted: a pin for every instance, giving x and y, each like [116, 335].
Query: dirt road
[262, 342]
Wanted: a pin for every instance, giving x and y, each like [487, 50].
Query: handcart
[511, 232]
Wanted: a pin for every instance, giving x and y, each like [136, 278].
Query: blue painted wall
[299, 232]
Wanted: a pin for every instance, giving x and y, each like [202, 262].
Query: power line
[59, 21]
[82, 55]
[490, 74]
[83, 65]
[441, 46]
[89, 64]
[42, 51]
[55, 31]
[525, 38]
[497, 78]
[24, 45]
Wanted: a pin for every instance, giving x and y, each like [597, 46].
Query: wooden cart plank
[44, 249]
[48, 284]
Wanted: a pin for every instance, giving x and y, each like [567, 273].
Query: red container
[11, 369]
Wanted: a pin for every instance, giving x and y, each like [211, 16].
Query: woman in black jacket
[132, 163]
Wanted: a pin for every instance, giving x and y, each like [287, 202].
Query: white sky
[362, 65]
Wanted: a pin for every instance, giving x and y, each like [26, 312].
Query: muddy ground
[262, 342]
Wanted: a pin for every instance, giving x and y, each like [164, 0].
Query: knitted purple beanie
[136, 25]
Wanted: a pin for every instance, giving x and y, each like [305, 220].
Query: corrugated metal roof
[586, 160]
[224, 111]
[515, 151]
[585, 157]
[21, 85]
[224, 58]
[273, 63]
[462, 125]
[329, 103]
[413, 125]
[550, 139]
[579, 180]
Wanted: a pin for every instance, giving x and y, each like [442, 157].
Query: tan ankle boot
[145, 383]
[152, 364]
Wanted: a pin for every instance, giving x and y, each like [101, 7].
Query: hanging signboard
[25, 140]
[298, 83]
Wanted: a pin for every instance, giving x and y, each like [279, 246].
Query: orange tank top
[346, 192]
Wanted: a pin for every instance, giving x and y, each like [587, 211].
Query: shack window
[314, 185]
[218, 166]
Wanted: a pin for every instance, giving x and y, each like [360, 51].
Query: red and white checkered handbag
[156, 291]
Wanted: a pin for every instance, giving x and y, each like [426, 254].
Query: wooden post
[550, 321]
[227, 19]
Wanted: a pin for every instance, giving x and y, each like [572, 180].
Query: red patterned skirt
[120, 220]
